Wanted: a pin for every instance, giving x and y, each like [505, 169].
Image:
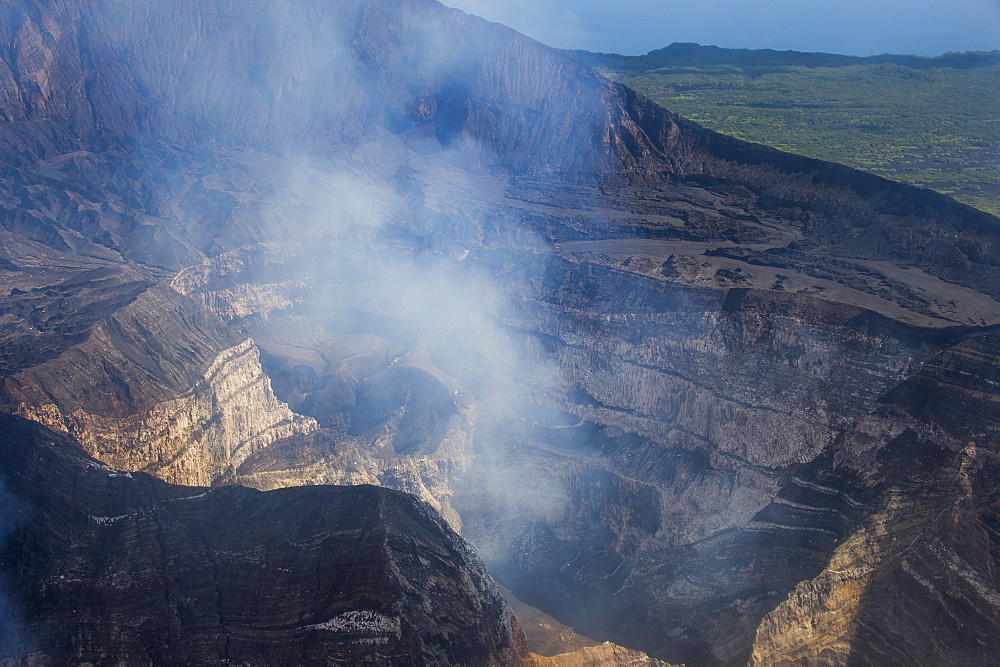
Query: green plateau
[932, 122]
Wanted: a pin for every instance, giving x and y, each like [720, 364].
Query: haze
[853, 27]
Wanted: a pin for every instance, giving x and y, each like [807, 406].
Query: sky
[852, 27]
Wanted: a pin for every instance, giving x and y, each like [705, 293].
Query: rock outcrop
[918, 573]
[159, 386]
[100, 565]
[603, 655]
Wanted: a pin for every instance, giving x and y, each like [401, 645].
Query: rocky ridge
[603, 655]
[187, 412]
[102, 565]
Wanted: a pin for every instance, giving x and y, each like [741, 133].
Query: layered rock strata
[100, 565]
[603, 655]
[917, 576]
[185, 410]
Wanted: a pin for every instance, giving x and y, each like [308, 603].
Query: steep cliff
[100, 565]
[918, 574]
[159, 386]
[709, 451]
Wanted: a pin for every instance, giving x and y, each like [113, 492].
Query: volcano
[701, 398]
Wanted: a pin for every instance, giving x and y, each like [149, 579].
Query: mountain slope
[924, 121]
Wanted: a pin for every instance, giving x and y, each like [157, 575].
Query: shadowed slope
[104, 566]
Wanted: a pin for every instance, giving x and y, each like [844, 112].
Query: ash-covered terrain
[701, 398]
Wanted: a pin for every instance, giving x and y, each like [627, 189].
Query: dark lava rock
[107, 567]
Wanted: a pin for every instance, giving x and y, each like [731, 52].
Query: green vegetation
[933, 122]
